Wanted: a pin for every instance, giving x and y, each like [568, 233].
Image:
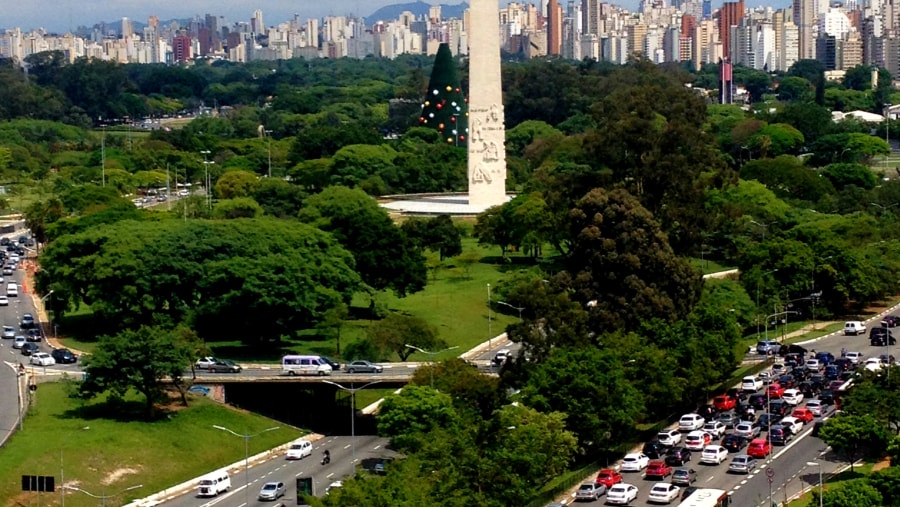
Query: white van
[299, 450]
[214, 483]
[12, 290]
[305, 365]
[854, 327]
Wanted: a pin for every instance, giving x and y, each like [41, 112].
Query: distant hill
[390, 12]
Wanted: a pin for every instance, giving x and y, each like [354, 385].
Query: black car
[64, 356]
[757, 401]
[34, 335]
[817, 425]
[825, 358]
[878, 334]
[785, 350]
[787, 381]
[707, 412]
[818, 381]
[799, 373]
[779, 435]
[890, 321]
[779, 408]
[766, 420]
[678, 456]
[734, 443]
[807, 388]
[335, 366]
[844, 364]
[30, 348]
[654, 449]
[832, 372]
[827, 397]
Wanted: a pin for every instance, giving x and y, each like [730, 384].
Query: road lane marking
[377, 447]
[347, 446]
[329, 476]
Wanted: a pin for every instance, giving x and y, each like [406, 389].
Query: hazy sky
[61, 15]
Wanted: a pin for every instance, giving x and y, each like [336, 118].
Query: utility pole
[269, 138]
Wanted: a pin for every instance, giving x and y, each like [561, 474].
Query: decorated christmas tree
[444, 108]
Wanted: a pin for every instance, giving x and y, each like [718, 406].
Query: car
[691, 422]
[64, 356]
[751, 384]
[817, 425]
[713, 455]
[766, 420]
[734, 443]
[778, 369]
[27, 321]
[589, 491]
[4, 300]
[814, 406]
[724, 402]
[204, 362]
[678, 456]
[789, 349]
[635, 462]
[728, 419]
[654, 449]
[30, 348]
[697, 440]
[664, 493]
[9, 332]
[844, 364]
[758, 401]
[687, 491]
[803, 414]
[684, 476]
[501, 357]
[742, 464]
[872, 364]
[335, 365]
[813, 365]
[826, 398]
[609, 477]
[765, 377]
[890, 321]
[34, 335]
[879, 335]
[779, 435]
[854, 357]
[7, 271]
[19, 341]
[767, 347]
[714, 428]
[42, 359]
[669, 438]
[364, 367]
[775, 390]
[825, 358]
[334, 485]
[793, 424]
[854, 327]
[778, 407]
[747, 430]
[792, 396]
[786, 380]
[759, 448]
[621, 494]
[272, 491]
[299, 449]
[658, 470]
[224, 366]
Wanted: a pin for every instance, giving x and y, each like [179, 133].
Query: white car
[751, 384]
[813, 364]
[4, 301]
[635, 462]
[669, 438]
[793, 424]
[204, 362]
[663, 492]
[42, 359]
[697, 440]
[691, 422]
[778, 370]
[19, 342]
[621, 494]
[713, 455]
[874, 364]
[792, 396]
[814, 406]
[715, 428]
[299, 450]
[854, 357]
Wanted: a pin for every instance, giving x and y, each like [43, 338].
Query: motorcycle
[326, 458]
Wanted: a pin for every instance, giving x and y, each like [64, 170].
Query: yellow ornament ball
[449, 139]
[449, 88]
[427, 103]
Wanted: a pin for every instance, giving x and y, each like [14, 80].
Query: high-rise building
[554, 27]
[256, 22]
[790, 46]
[851, 55]
[730, 15]
[636, 34]
[804, 18]
[707, 9]
[181, 48]
[127, 28]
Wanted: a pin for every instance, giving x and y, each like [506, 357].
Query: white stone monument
[486, 149]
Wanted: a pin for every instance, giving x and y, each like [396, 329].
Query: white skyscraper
[763, 47]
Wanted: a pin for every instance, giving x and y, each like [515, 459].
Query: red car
[658, 469]
[759, 448]
[608, 477]
[775, 390]
[724, 403]
[804, 414]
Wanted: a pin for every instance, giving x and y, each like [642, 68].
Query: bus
[707, 497]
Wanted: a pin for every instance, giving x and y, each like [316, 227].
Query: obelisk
[486, 149]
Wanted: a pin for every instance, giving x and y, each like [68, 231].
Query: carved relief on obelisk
[487, 134]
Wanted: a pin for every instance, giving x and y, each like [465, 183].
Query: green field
[102, 449]
[707, 266]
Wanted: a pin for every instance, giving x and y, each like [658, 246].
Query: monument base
[430, 205]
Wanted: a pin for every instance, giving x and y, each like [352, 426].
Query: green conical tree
[445, 108]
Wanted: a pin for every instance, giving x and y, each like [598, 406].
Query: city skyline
[70, 14]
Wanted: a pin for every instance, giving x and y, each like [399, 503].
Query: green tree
[438, 234]
[278, 198]
[887, 482]
[234, 184]
[795, 89]
[859, 78]
[857, 492]
[842, 175]
[385, 258]
[407, 417]
[776, 139]
[239, 207]
[474, 395]
[40, 214]
[814, 72]
[136, 360]
[523, 134]
[332, 323]
[444, 107]
[854, 437]
[395, 331]
[787, 177]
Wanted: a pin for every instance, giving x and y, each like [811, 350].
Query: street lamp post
[102, 497]
[352, 391]
[269, 138]
[517, 308]
[765, 227]
[821, 484]
[246, 438]
[490, 316]
[431, 354]
[884, 209]
[812, 292]
[62, 473]
[103, 155]
[757, 301]
[206, 163]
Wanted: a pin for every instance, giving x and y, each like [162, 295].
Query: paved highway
[278, 468]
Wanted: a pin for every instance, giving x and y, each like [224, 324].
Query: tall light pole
[246, 438]
[765, 227]
[812, 292]
[490, 318]
[884, 209]
[431, 354]
[102, 497]
[269, 138]
[103, 155]
[821, 483]
[757, 300]
[206, 163]
[62, 474]
[352, 391]
[518, 309]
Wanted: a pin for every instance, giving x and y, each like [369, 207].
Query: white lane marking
[376, 447]
[347, 446]
[329, 476]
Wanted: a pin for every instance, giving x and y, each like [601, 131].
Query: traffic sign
[770, 474]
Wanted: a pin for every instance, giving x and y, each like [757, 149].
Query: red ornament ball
[457, 90]
[453, 119]
[440, 106]
[421, 119]
[462, 138]
[441, 126]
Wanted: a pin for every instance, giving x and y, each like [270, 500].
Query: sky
[63, 15]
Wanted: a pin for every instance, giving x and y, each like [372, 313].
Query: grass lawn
[707, 266]
[858, 471]
[99, 448]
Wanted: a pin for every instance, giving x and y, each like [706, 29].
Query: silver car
[742, 464]
[747, 430]
[272, 491]
[590, 491]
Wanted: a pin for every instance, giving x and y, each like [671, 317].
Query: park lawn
[859, 471]
[707, 266]
[104, 451]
